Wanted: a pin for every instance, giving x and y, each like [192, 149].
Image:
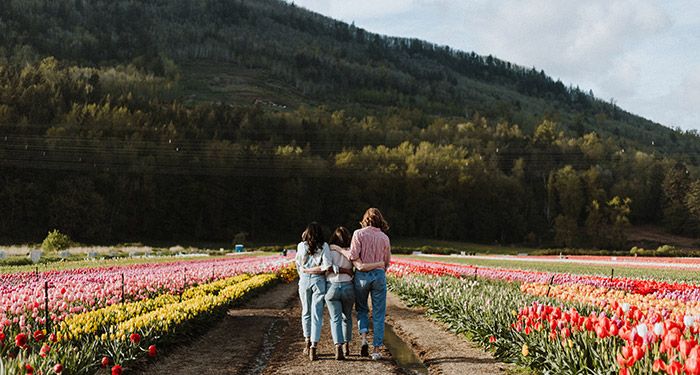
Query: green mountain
[127, 119]
[267, 50]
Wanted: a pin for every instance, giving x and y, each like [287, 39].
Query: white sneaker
[376, 356]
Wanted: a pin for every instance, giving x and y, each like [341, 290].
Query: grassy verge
[408, 245]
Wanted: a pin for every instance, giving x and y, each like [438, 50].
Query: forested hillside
[201, 119]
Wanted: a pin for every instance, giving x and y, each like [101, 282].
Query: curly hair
[374, 218]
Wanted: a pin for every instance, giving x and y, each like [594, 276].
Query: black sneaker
[307, 345]
[312, 353]
[364, 350]
[347, 349]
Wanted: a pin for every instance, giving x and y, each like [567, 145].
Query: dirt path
[263, 336]
[234, 344]
[288, 357]
[441, 351]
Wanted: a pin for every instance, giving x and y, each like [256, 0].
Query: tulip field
[101, 319]
[110, 318]
[561, 323]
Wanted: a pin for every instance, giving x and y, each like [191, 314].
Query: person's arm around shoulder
[321, 268]
[340, 250]
[364, 267]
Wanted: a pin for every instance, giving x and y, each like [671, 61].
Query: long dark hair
[313, 236]
[341, 237]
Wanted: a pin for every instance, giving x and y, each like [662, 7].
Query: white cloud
[689, 90]
[362, 9]
[570, 38]
[641, 52]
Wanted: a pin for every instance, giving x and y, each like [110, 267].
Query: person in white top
[340, 291]
[311, 252]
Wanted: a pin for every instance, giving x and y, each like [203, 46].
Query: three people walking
[345, 273]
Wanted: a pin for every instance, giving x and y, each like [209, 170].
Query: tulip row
[23, 296]
[99, 321]
[656, 289]
[162, 321]
[641, 343]
[117, 331]
[565, 326]
[604, 298]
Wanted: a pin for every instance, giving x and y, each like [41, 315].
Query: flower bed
[558, 323]
[22, 295]
[112, 334]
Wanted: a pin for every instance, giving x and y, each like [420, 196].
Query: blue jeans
[372, 283]
[312, 289]
[340, 297]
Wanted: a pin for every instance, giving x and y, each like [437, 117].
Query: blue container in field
[239, 248]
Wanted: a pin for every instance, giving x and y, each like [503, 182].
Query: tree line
[97, 154]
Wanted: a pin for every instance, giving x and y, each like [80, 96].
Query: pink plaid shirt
[370, 245]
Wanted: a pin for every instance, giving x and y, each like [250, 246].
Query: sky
[643, 54]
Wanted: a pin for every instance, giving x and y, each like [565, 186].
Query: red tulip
[673, 338]
[2, 337]
[691, 365]
[600, 332]
[565, 332]
[105, 362]
[21, 340]
[152, 351]
[637, 353]
[29, 369]
[685, 346]
[621, 360]
[659, 365]
[614, 330]
[117, 370]
[492, 340]
[135, 338]
[58, 368]
[53, 338]
[39, 335]
[674, 368]
[626, 352]
[45, 349]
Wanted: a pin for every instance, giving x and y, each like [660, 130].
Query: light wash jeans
[312, 289]
[340, 297]
[372, 283]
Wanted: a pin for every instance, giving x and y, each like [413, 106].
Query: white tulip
[625, 307]
[658, 329]
[688, 320]
[642, 330]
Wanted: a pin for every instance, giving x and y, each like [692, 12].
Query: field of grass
[231, 84]
[457, 246]
[691, 276]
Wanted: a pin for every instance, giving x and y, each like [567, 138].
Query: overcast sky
[645, 54]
